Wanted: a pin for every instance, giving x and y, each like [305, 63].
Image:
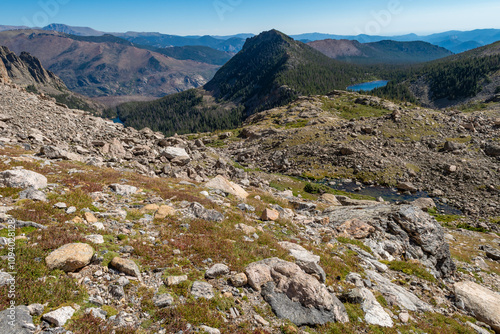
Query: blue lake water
[117, 120]
[390, 194]
[368, 86]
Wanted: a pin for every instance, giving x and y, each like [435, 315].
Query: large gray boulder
[60, 316]
[21, 178]
[423, 230]
[16, 321]
[306, 260]
[482, 303]
[294, 294]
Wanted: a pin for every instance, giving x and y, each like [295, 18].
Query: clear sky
[226, 17]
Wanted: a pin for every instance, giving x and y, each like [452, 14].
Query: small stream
[391, 195]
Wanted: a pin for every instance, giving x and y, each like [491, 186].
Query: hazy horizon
[228, 17]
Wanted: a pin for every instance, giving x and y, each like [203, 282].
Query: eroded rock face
[426, 232]
[70, 257]
[294, 294]
[482, 303]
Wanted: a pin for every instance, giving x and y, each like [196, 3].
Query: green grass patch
[297, 124]
[56, 289]
[409, 268]
[355, 242]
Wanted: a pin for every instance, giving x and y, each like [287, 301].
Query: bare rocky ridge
[27, 70]
[173, 252]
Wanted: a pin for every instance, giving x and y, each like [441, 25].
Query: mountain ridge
[385, 51]
[454, 40]
[108, 68]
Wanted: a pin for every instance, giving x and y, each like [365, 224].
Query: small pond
[368, 86]
[388, 194]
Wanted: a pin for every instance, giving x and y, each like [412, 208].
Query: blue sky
[225, 17]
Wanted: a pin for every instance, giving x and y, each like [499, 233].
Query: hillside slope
[469, 77]
[125, 231]
[383, 52]
[99, 69]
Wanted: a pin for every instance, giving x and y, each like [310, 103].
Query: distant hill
[271, 70]
[455, 41]
[108, 66]
[383, 52]
[78, 31]
[472, 76]
[157, 40]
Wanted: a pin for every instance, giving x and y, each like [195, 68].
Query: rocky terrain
[126, 231]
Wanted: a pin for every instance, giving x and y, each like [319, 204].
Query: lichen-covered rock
[202, 290]
[217, 270]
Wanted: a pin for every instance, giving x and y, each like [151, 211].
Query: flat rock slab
[399, 295]
[483, 303]
[60, 316]
[374, 312]
[70, 257]
[126, 266]
[23, 179]
[221, 183]
[16, 321]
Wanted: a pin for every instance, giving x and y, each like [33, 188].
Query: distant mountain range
[455, 41]
[107, 65]
[382, 52]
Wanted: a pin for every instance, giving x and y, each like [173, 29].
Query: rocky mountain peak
[28, 70]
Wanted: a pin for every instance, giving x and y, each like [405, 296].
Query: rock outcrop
[294, 294]
[482, 303]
